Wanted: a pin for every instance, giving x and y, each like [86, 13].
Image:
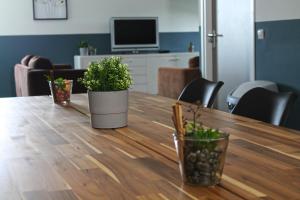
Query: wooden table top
[49, 152]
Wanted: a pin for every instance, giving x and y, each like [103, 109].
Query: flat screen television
[134, 34]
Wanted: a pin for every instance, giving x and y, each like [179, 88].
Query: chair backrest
[201, 90]
[265, 105]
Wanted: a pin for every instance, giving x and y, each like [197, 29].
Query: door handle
[214, 35]
[213, 38]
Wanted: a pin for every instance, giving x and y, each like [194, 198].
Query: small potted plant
[107, 83]
[84, 48]
[61, 90]
[201, 150]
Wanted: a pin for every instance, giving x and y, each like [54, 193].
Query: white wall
[272, 10]
[92, 16]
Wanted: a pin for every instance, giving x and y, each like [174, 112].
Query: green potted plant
[107, 82]
[201, 150]
[84, 48]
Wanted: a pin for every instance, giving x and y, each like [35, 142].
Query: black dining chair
[265, 105]
[201, 90]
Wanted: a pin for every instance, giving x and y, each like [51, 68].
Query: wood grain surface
[49, 152]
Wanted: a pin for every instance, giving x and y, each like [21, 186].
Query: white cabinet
[82, 62]
[137, 66]
[143, 67]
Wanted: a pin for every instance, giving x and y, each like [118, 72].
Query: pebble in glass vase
[201, 161]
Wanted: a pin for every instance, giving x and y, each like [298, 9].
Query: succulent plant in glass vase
[61, 90]
[201, 150]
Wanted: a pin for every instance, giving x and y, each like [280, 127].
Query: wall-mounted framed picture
[50, 9]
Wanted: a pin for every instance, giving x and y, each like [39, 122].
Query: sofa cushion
[26, 60]
[38, 62]
[37, 84]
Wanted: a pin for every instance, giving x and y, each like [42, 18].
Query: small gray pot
[108, 109]
[84, 51]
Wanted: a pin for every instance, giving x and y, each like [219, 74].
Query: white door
[228, 43]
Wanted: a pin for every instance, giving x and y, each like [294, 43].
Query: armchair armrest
[21, 80]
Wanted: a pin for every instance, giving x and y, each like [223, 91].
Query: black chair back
[201, 90]
[265, 105]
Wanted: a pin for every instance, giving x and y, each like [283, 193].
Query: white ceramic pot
[108, 109]
[84, 51]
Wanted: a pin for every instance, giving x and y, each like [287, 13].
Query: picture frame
[50, 9]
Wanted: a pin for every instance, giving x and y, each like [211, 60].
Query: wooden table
[49, 152]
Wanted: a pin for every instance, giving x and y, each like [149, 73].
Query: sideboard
[143, 67]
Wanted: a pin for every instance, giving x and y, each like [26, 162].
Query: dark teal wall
[62, 48]
[278, 59]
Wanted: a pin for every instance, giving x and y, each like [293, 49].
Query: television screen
[134, 33]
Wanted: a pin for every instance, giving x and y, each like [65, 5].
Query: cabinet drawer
[138, 70]
[139, 79]
[139, 88]
[166, 61]
[134, 61]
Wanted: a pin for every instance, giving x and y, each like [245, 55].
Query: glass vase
[62, 92]
[201, 161]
